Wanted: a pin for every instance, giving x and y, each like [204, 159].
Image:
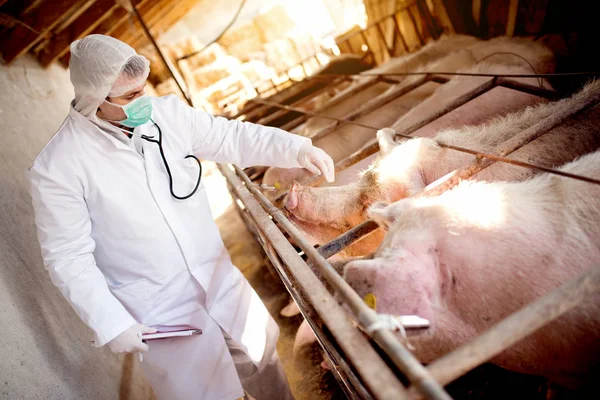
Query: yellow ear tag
[277, 185]
[370, 300]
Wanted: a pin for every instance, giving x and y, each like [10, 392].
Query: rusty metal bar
[528, 88]
[454, 177]
[511, 145]
[294, 123]
[342, 372]
[366, 316]
[375, 373]
[347, 238]
[290, 93]
[345, 94]
[269, 118]
[515, 327]
[373, 146]
[478, 74]
[452, 105]
[368, 107]
[249, 106]
[412, 19]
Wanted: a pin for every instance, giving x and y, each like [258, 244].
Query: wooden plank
[73, 17]
[165, 21]
[163, 24]
[105, 28]
[42, 19]
[143, 7]
[59, 44]
[151, 13]
[119, 17]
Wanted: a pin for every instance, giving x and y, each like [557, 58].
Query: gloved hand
[316, 161]
[130, 341]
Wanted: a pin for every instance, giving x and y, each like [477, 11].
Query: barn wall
[46, 351]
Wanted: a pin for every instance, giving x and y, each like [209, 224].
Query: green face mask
[138, 111]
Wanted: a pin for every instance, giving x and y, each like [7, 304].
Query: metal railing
[345, 43]
[361, 369]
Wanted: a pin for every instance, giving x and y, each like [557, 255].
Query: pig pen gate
[376, 363]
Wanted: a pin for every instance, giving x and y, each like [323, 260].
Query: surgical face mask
[138, 111]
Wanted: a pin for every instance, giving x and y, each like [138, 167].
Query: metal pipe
[373, 146]
[375, 373]
[368, 107]
[511, 145]
[342, 371]
[452, 105]
[347, 238]
[528, 88]
[366, 316]
[269, 118]
[185, 93]
[515, 327]
[478, 74]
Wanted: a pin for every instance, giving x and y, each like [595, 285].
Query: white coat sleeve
[242, 143]
[64, 232]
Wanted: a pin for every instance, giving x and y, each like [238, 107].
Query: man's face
[111, 113]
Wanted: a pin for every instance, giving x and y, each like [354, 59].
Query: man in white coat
[127, 234]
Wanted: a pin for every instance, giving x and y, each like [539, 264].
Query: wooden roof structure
[46, 28]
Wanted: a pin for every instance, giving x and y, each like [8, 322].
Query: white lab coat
[121, 249]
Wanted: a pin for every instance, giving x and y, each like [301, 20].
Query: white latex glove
[316, 161]
[130, 341]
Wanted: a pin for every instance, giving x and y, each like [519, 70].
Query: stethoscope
[162, 154]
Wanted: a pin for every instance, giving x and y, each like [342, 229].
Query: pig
[402, 170]
[437, 55]
[479, 57]
[473, 255]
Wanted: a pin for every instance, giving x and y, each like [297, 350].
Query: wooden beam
[147, 9]
[105, 28]
[119, 17]
[136, 35]
[42, 20]
[85, 23]
[174, 14]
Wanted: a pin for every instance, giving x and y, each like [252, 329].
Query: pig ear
[385, 137]
[291, 200]
[380, 213]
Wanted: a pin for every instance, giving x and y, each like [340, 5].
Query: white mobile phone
[164, 335]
